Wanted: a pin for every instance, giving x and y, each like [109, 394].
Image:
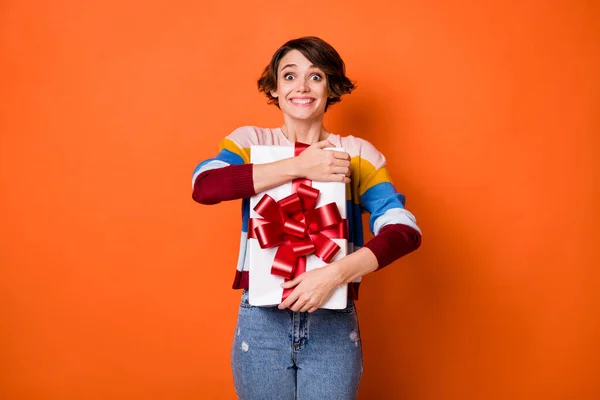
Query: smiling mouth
[302, 102]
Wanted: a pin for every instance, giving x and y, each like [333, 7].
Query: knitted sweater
[228, 176]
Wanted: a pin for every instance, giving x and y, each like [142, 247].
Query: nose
[302, 86]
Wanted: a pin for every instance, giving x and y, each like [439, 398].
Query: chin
[308, 115]
[304, 117]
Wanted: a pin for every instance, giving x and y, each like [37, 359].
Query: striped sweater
[229, 176]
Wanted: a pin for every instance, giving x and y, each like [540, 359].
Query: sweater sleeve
[222, 184]
[395, 228]
[228, 175]
[393, 242]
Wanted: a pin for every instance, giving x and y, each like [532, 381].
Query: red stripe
[222, 184]
[392, 242]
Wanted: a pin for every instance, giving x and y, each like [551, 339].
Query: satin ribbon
[297, 227]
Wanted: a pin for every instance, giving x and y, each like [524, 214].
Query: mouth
[302, 101]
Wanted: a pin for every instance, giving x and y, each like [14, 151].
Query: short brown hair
[322, 55]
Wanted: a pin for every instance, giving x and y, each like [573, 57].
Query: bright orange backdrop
[111, 285]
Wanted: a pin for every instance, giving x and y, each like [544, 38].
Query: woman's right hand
[320, 165]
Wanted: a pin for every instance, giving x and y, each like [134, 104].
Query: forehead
[295, 57]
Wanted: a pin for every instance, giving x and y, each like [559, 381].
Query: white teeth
[302, 101]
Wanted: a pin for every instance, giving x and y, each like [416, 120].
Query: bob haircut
[322, 55]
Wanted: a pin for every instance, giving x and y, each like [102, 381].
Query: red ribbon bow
[297, 228]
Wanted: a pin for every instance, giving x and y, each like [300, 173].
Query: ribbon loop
[294, 228]
[269, 235]
[328, 216]
[308, 196]
[303, 247]
[284, 263]
[291, 204]
[269, 209]
[326, 249]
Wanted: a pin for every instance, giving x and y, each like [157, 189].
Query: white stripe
[395, 216]
[214, 164]
[241, 263]
[245, 263]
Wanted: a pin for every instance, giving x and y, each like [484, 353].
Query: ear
[273, 93]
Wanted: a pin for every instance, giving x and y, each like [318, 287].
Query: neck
[304, 131]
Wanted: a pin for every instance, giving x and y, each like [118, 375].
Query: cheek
[283, 89]
[322, 90]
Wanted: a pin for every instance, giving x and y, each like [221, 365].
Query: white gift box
[264, 287]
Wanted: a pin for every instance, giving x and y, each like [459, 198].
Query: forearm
[240, 181]
[354, 265]
[222, 184]
[267, 176]
[392, 242]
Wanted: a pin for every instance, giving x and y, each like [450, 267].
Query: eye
[316, 77]
[288, 76]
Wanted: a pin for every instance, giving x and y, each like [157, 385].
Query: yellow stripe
[377, 176]
[232, 146]
[364, 176]
[349, 190]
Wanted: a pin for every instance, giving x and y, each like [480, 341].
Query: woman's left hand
[312, 289]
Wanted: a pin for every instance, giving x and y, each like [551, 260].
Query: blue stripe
[224, 155]
[202, 164]
[380, 198]
[229, 157]
[355, 228]
[245, 214]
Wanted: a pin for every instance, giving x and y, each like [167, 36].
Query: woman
[298, 350]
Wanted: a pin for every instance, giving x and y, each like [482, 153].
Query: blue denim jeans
[285, 355]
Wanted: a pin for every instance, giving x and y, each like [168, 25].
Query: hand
[320, 165]
[312, 289]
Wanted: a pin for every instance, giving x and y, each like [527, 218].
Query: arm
[242, 181]
[395, 229]
[313, 288]
[393, 242]
[222, 184]
[267, 176]
[245, 180]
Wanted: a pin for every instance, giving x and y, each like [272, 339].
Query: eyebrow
[294, 65]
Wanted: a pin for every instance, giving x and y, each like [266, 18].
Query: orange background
[111, 285]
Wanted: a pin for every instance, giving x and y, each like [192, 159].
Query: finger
[341, 170]
[313, 309]
[337, 178]
[307, 306]
[323, 144]
[289, 300]
[288, 284]
[297, 306]
[292, 283]
[342, 163]
[342, 155]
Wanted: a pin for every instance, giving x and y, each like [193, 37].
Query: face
[301, 87]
